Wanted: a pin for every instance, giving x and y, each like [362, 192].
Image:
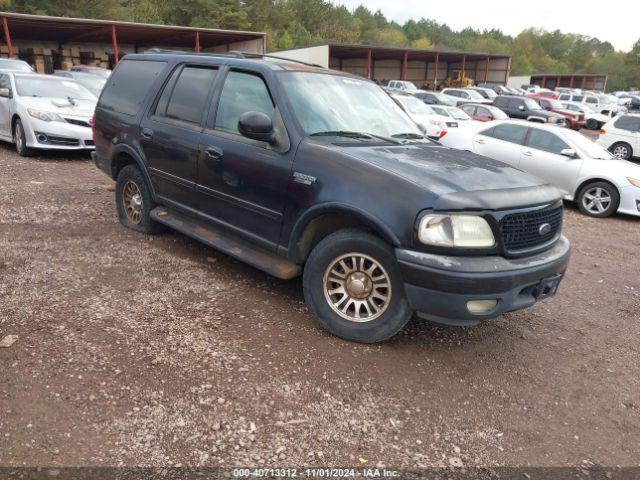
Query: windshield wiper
[408, 136]
[352, 134]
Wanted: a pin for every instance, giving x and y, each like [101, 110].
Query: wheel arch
[621, 142]
[325, 219]
[587, 181]
[125, 155]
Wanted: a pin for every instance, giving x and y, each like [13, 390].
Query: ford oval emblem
[544, 229]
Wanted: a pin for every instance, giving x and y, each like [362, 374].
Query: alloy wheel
[620, 151]
[132, 202]
[596, 200]
[357, 287]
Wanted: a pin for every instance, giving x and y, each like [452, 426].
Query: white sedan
[45, 112]
[583, 170]
[434, 125]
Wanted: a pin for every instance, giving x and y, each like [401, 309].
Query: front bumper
[439, 287]
[57, 135]
[630, 200]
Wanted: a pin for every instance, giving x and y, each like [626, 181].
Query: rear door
[171, 132]
[541, 157]
[502, 142]
[242, 183]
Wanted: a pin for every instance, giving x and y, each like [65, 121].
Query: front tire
[592, 124]
[20, 139]
[598, 199]
[353, 287]
[134, 202]
[621, 150]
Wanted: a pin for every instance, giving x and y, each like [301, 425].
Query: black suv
[300, 170]
[528, 109]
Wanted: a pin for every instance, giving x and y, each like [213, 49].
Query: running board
[226, 243]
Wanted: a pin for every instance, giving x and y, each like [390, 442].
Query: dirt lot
[158, 351]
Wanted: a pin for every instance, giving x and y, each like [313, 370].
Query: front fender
[117, 154]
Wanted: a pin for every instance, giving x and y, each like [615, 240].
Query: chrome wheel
[596, 200]
[132, 202]
[620, 152]
[357, 287]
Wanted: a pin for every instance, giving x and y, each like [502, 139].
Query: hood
[62, 106]
[456, 174]
[548, 113]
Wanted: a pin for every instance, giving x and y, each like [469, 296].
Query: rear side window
[242, 92]
[184, 98]
[128, 85]
[508, 132]
[591, 100]
[500, 102]
[545, 141]
[564, 96]
[627, 122]
[578, 98]
[470, 109]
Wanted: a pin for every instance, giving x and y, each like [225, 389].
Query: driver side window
[242, 92]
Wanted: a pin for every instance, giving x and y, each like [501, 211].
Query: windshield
[498, 114]
[90, 81]
[554, 103]
[413, 105]
[41, 86]
[606, 99]
[589, 147]
[531, 104]
[445, 99]
[325, 103]
[475, 95]
[490, 93]
[15, 65]
[458, 114]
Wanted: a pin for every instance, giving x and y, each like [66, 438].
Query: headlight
[459, 231]
[634, 182]
[45, 116]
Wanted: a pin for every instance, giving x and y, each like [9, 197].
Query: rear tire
[343, 284]
[598, 199]
[592, 124]
[621, 150]
[134, 202]
[20, 139]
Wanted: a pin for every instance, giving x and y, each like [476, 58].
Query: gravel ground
[158, 351]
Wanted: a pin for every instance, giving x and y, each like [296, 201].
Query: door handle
[147, 133]
[528, 153]
[479, 140]
[214, 153]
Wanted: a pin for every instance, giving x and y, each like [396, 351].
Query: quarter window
[242, 92]
[627, 122]
[129, 84]
[546, 141]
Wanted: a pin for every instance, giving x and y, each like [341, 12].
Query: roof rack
[231, 54]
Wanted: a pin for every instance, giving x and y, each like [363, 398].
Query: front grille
[521, 231]
[89, 143]
[75, 121]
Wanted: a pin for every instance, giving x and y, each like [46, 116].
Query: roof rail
[231, 54]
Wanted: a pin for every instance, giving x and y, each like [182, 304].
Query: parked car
[584, 171]
[602, 106]
[634, 100]
[575, 119]
[434, 98]
[496, 87]
[465, 95]
[13, 64]
[487, 93]
[98, 71]
[44, 112]
[455, 113]
[528, 109]
[432, 124]
[544, 93]
[93, 83]
[593, 120]
[621, 136]
[484, 113]
[288, 166]
[402, 86]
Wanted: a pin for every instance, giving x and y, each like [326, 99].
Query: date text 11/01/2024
[314, 473]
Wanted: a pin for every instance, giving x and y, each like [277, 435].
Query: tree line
[301, 23]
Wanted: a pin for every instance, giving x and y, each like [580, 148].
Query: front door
[242, 183]
[171, 132]
[5, 106]
[541, 157]
[502, 142]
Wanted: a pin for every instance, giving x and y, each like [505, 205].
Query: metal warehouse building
[585, 81]
[51, 43]
[392, 63]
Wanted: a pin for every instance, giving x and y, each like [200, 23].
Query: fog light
[478, 307]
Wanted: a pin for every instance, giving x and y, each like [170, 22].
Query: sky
[615, 21]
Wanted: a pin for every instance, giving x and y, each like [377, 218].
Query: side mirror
[257, 126]
[569, 152]
[5, 92]
[521, 108]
